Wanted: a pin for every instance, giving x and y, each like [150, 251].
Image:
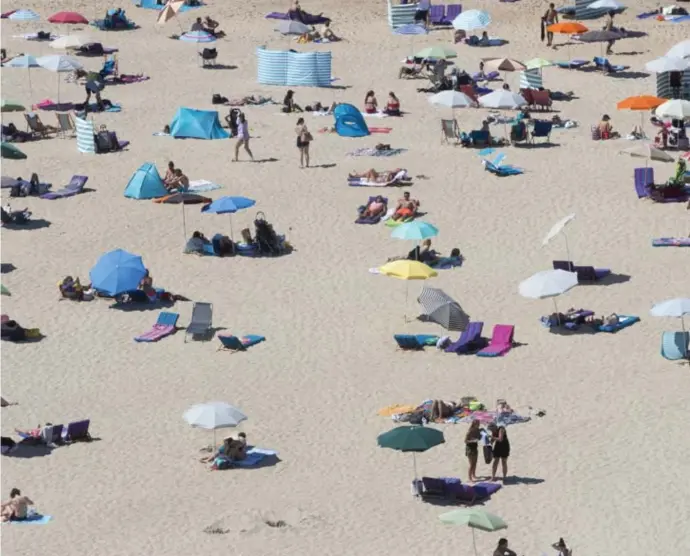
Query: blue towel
[35, 519]
[681, 19]
[254, 457]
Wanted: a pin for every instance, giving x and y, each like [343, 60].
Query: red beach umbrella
[68, 17]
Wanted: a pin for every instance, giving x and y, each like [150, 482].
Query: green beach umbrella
[535, 63]
[436, 52]
[474, 519]
[4, 290]
[11, 106]
[11, 152]
[410, 438]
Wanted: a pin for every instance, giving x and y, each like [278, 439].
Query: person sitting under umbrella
[606, 129]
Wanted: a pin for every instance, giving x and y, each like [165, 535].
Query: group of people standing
[496, 447]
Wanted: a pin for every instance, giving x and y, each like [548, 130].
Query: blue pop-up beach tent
[146, 183]
[197, 124]
[349, 121]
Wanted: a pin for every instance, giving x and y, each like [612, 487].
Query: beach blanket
[671, 242]
[463, 415]
[52, 106]
[34, 37]
[254, 457]
[196, 186]
[34, 519]
[380, 129]
[375, 152]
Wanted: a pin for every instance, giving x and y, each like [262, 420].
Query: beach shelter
[197, 124]
[349, 121]
[145, 183]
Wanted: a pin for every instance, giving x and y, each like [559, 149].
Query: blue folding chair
[542, 128]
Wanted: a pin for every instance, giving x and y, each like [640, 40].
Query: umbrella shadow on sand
[516, 480]
[608, 280]
[207, 336]
[219, 67]
[33, 224]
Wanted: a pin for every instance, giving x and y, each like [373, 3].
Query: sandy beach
[603, 467]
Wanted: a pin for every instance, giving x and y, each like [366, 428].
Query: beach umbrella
[504, 64]
[26, 62]
[600, 36]
[72, 18]
[676, 108]
[442, 309]
[436, 53]
[606, 5]
[502, 100]
[416, 230]
[641, 103]
[168, 12]
[59, 63]
[4, 290]
[117, 272]
[228, 205]
[451, 99]
[24, 15]
[537, 63]
[677, 308]
[183, 198]
[290, 27]
[412, 30]
[69, 41]
[567, 28]
[681, 50]
[214, 416]
[474, 518]
[11, 106]
[407, 270]
[471, 19]
[198, 37]
[649, 151]
[411, 438]
[559, 228]
[548, 283]
[666, 64]
[11, 152]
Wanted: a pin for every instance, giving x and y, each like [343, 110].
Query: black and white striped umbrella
[440, 308]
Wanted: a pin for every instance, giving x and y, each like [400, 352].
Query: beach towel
[33, 519]
[126, 79]
[671, 242]
[623, 322]
[196, 186]
[647, 15]
[370, 151]
[241, 343]
[35, 37]
[395, 409]
[380, 129]
[254, 457]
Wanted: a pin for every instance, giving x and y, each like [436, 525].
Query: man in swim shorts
[406, 208]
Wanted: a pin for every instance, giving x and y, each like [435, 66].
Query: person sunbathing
[442, 410]
[373, 176]
[371, 106]
[484, 40]
[289, 104]
[393, 105]
[231, 449]
[16, 508]
[406, 207]
[375, 208]
[454, 259]
[423, 254]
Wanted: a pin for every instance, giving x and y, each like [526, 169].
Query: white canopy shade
[471, 19]
[606, 5]
[557, 228]
[214, 415]
[502, 100]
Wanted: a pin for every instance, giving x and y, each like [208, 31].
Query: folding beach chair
[202, 319]
[674, 345]
[74, 187]
[541, 99]
[65, 124]
[235, 344]
[586, 274]
[468, 340]
[644, 177]
[501, 341]
[37, 127]
[165, 326]
[76, 431]
[452, 11]
[450, 131]
[542, 128]
[437, 14]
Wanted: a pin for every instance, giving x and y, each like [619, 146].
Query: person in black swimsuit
[472, 448]
[501, 450]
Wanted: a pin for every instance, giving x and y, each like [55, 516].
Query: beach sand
[604, 467]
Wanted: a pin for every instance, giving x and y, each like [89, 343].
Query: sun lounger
[165, 325]
[437, 14]
[501, 341]
[415, 341]
[499, 169]
[606, 66]
[468, 340]
[644, 177]
[235, 344]
[572, 64]
[76, 431]
[450, 489]
[202, 319]
[371, 219]
[623, 322]
[74, 187]
[452, 11]
[674, 345]
[671, 242]
[590, 274]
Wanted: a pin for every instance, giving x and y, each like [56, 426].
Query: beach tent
[673, 84]
[531, 79]
[296, 69]
[146, 183]
[400, 14]
[349, 121]
[85, 139]
[197, 124]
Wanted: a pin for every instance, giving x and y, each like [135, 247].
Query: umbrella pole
[474, 542]
[407, 288]
[231, 236]
[555, 306]
[58, 80]
[184, 223]
[414, 464]
[567, 247]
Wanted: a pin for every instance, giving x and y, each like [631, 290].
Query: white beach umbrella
[664, 64]
[678, 308]
[471, 20]
[214, 416]
[606, 5]
[676, 108]
[26, 62]
[502, 100]
[59, 64]
[292, 28]
[548, 283]
[649, 151]
[558, 228]
[451, 99]
[24, 15]
[681, 50]
[69, 41]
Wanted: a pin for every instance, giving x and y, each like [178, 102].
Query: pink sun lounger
[165, 326]
[501, 341]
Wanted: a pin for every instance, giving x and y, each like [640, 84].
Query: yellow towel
[391, 410]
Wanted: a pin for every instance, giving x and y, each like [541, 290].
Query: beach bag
[488, 454]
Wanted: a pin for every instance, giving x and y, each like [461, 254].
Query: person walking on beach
[303, 140]
[501, 450]
[609, 27]
[550, 17]
[472, 439]
[242, 137]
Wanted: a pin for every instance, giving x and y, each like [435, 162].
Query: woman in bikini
[472, 449]
[371, 106]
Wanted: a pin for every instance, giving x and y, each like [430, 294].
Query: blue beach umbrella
[117, 272]
[471, 20]
[411, 30]
[24, 15]
[198, 36]
[416, 230]
[228, 205]
[24, 62]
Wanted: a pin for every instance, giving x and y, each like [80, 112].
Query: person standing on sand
[303, 140]
[472, 449]
[242, 137]
[549, 18]
[502, 549]
[501, 450]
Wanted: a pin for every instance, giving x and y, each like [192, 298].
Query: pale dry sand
[610, 456]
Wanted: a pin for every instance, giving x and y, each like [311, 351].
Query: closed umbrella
[681, 50]
[649, 151]
[11, 152]
[411, 438]
[26, 62]
[214, 416]
[666, 64]
[612, 5]
[117, 272]
[417, 230]
[59, 64]
[407, 270]
[676, 108]
[24, 15]
[678, 308]
[471, 19]
[436, 53]
[559, 228]
[11, 106]
[228, 205]
[442, 309]
[474, 518]
[292, 28]
[548, 283]
[72, 18]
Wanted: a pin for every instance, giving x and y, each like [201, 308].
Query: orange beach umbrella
[567, 28]
[642, 102]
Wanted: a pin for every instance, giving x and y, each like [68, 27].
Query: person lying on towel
[424, 254]
[406, 207]
[376, 208]
[373, 176]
